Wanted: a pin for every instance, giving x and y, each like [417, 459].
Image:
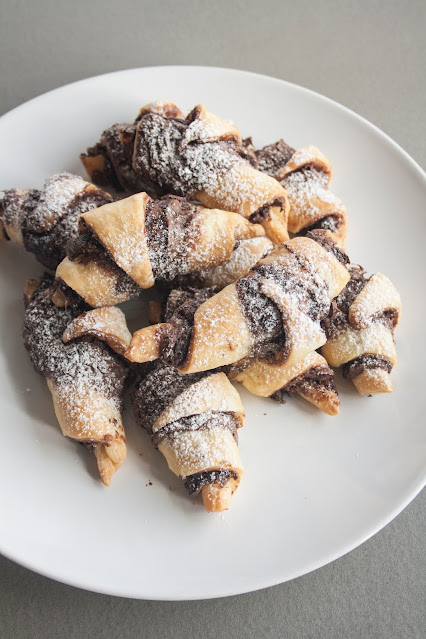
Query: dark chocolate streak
[365, 362]
[272, 158]
[194, 483]
[320, 378]
[44, 325]
[210, 419]
[338, 314]
[159, 387]
[166, 221]
[87, 247]
[322, 238]
[164, 155]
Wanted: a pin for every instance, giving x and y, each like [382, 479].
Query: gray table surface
[368, 55]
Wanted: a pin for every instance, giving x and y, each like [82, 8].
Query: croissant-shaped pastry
[77, 354]
[128, 245]
[193, 420]
[305, 175]
[310, 378]
[273, 312]
[44, 221]
[360, 331]
[109, 162]
[204, 158]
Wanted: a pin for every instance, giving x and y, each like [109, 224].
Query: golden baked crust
[195, 239]
[195, 430]
[363, 342]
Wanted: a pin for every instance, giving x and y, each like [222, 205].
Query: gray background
[371, 57]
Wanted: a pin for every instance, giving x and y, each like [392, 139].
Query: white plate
[315, 486]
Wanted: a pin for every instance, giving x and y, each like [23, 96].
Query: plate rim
[373, 529]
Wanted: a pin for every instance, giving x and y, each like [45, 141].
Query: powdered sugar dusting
[196, 450]
[75, 367]
[55, 198]
[307, 191]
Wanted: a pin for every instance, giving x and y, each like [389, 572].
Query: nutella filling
[86, 247]
[272, 158]
[194, 483]
[166, 224]
[365, 362]
[209, 419]
[179, 315]
[175, 154]
[328, 244]
[338, 315]
[87, 360]
[159, 387]
[317, 378]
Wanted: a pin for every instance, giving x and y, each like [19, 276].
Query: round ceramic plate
[315, 486]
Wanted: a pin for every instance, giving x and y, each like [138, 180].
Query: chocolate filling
[107, 176]
[48, 239]
[327, 223]
[365, 362]
[272, 158]
[118, 142]
[167, 155]
[159, 387]
[87, 359]
[317, 378]
[167, 220]
[322, 238]
[262, 214]
[86, 247]
[338, 315]
[194, 483]
[209, 419]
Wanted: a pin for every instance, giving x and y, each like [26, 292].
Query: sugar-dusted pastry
[109, 162]
[245, 255]
[85, 373]
[310, 378]
[360, 330]
[204, 157]
[273, 312]
[128, 245]
[44, 221]
[193, 420]
[305, 175]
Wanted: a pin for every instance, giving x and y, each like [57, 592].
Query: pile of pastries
[246, 246]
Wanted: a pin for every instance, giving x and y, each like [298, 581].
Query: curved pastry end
[373, 382]
[217, 498]
[109, 459]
